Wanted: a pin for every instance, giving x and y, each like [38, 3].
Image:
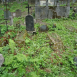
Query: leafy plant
[12, 45]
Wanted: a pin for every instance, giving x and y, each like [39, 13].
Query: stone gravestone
[43, 28]
[13, 14]
[18, 13]
[75, 60]
[1, 59]
[11, 20]
[0, 31]
[29, 23]
[7, 14]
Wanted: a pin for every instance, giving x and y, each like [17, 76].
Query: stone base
[32, 32]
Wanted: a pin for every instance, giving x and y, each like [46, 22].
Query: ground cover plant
[28, 55]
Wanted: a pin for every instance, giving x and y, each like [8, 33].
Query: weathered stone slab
[18, 13]
[75, 60]
[56, 41]
[1, 59]
[63, 11]
[29, 23]
[71, 28]
[56, 11]
[7, 14]
[43, 28]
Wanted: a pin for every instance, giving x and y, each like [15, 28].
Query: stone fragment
[43, 28]
[1, 59]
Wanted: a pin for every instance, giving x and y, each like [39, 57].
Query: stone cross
[28, 8]
[29, 21]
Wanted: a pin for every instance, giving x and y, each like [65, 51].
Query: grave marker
[29, 21]
[1, 59]
[14, 14]
[43, 28]
[11, 20]
[18, 13]
[28, 8]
[75, 60]
[50, 11]
[7, 14]
[0, 32]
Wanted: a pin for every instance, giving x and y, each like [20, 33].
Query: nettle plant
[12, 45]
[3, 29]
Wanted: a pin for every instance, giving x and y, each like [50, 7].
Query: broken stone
[1, 59]
[34, 20]
[56, 41]
[43, 28]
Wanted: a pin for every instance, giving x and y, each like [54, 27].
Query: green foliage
[11, 27]
[34, 59]
[27, 40]
[12, 45]
[3, 29]
[1, 49]
[25, 3]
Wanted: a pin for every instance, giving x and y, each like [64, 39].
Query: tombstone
[37, 9]
[75, 60]
[7, 14]
[1, 59]
[74, 1]
[29, 23]
[0, 32]
[43, 2]
[11, 20]
[41, 12]
[51, 9]
[31, 1]
[14, 14]
[43, 28]
[63, 11]
[18, 13]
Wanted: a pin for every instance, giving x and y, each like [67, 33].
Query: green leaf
[12, 45]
